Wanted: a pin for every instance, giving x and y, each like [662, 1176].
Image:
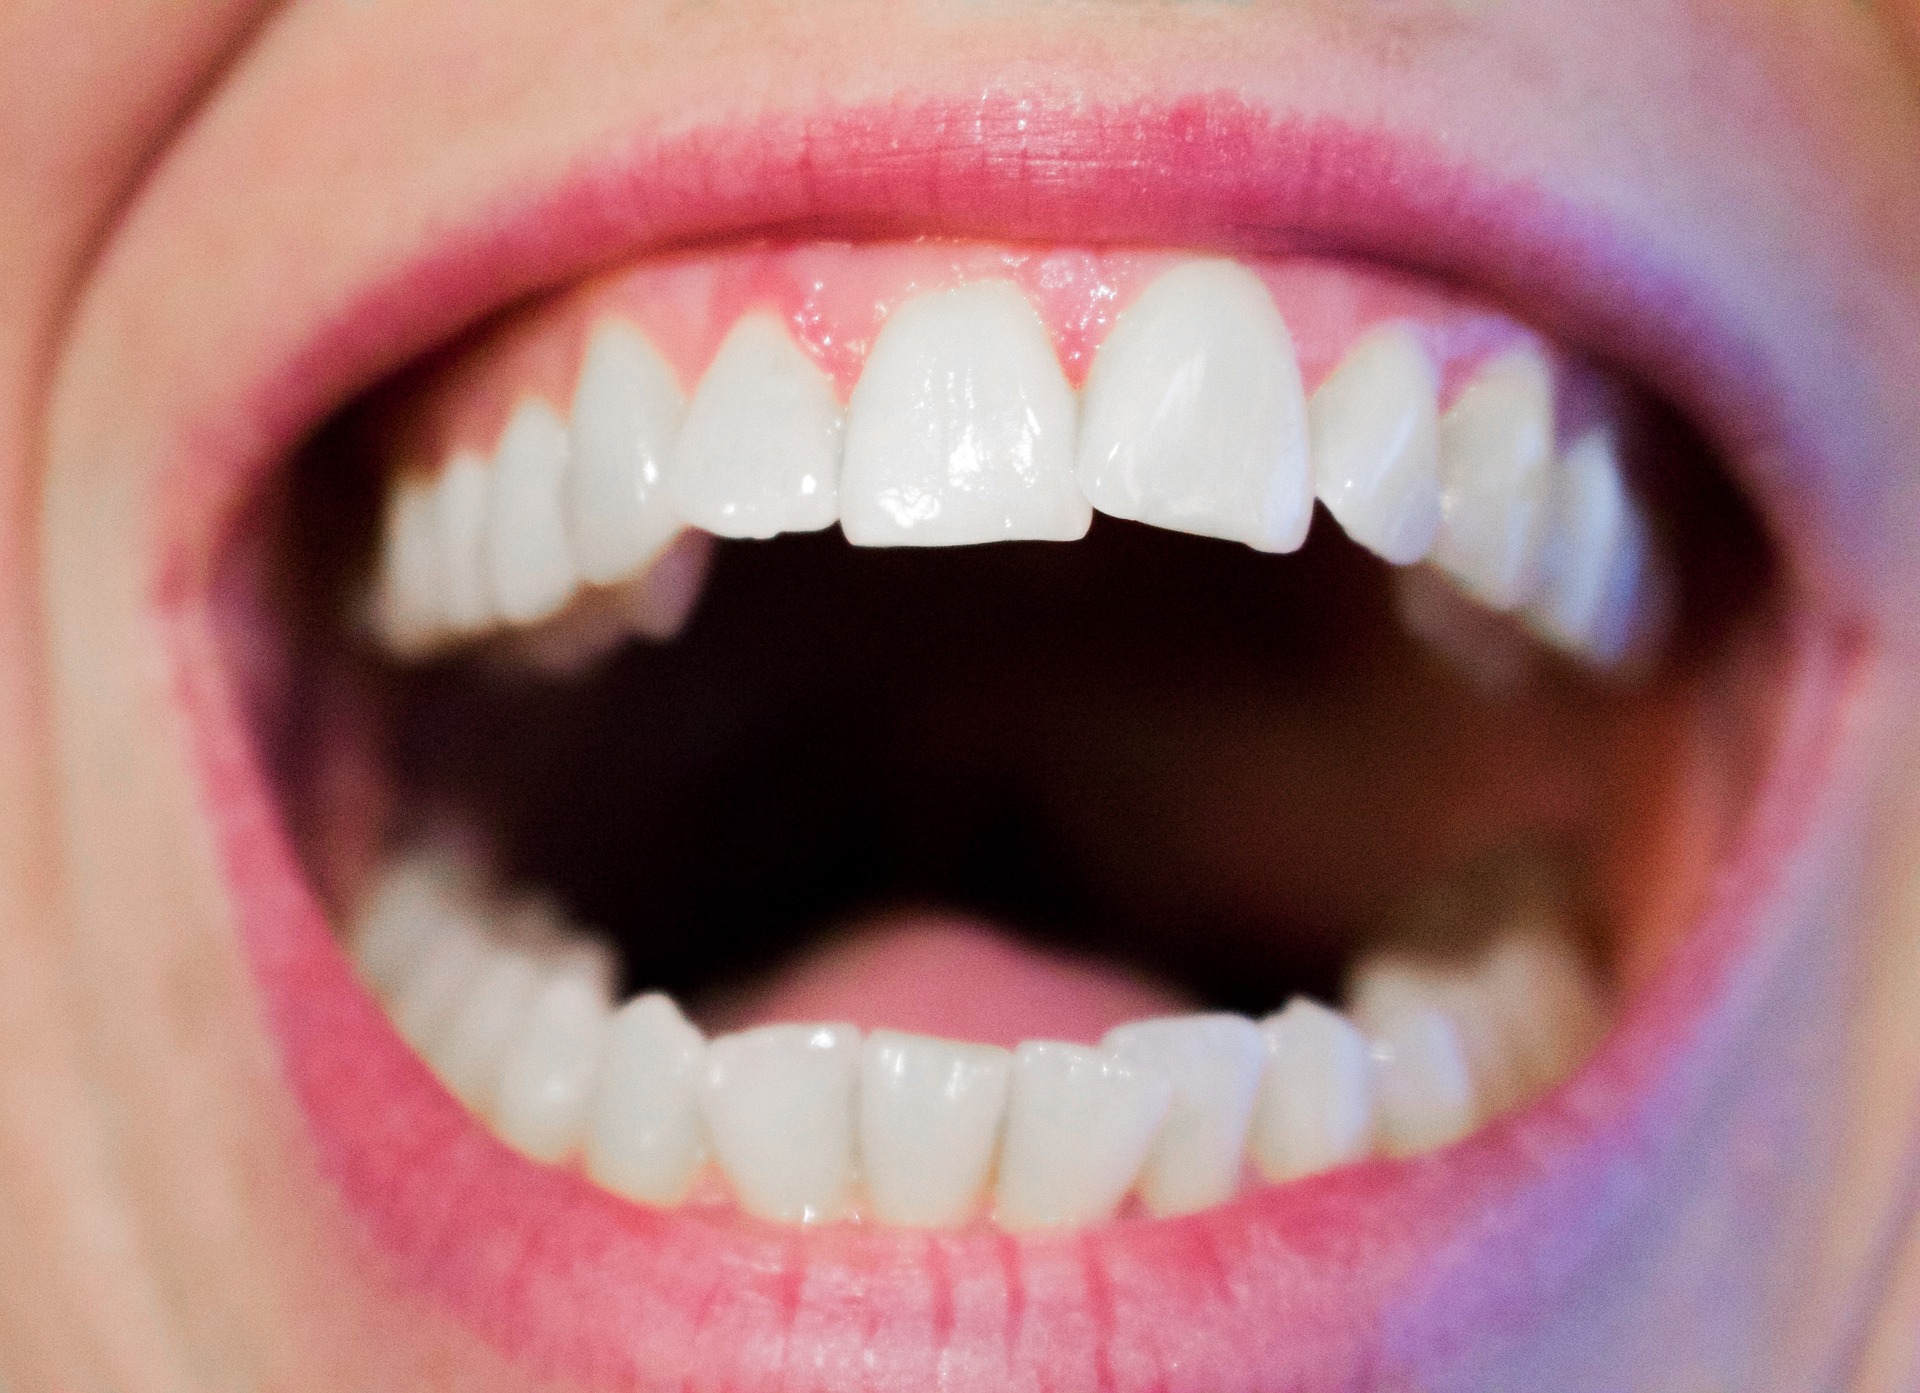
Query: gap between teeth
[963, 429]
[814, 1122]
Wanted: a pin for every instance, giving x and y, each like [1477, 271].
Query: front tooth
[779, 1107]
[1214, 1064]
[930, 1116]
[411, 602]
[1195, 418]
[460, 518]
[529, 560]
[548, 1075]
[1496, 455]
[627, 410]
[645, 1140]
[760, 451]
[1592, 597]
[1424, 1088]
[1316, 1108]
[961, 428]
[1375, 428]
[1080, 1123]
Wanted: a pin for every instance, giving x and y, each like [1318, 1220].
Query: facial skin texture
[196, 191]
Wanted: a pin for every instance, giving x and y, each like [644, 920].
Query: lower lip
[1380, 1266]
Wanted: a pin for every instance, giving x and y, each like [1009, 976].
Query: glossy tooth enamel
[1316, 1105]
[1080, 1123]
[962, 428]
[551, 1068]
[627, 411]
[779, 1108]
[931, 1113]
[1375, 431]
[759, 453]
[645, 1138]
[1213, 1064]
[469, 1051]
[1422, 1077]
[1595, 596]
[530, 568]
[1195, 418]
[1496, 464]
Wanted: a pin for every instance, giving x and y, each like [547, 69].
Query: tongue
[953, 976]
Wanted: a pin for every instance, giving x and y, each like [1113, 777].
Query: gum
[835, 296]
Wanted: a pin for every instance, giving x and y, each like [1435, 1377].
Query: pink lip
[1363, 1275]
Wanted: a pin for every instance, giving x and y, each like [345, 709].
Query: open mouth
[1048, 798]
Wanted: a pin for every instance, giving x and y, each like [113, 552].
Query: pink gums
[835, 296]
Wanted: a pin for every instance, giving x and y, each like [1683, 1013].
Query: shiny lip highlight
[1297, 1285]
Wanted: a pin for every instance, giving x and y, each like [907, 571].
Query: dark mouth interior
[1226, 771]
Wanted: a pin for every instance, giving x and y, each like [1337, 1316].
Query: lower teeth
[803, 1123]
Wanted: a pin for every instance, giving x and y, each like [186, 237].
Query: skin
[163, 1222]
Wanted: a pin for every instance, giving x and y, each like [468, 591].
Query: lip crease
[1366, 1272]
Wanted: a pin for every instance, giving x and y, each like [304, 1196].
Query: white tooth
[494, 1005]
[460, 518]
[1195, 418]
[411, 603]
[1424, 1089]
[1496, 455]
[1214, 1063]
[529, 560]
[548, 1074]
[1554, 1010]
[1390, 986]
[930, 1117]
[1593, 601]
[760, 451]
[961, 428]
[401, 916]
[434, 984]
[1080, 1123]
[627, 410]
[645, 1140]
[1375, 427]
[779, 1109]
[1316, 1105]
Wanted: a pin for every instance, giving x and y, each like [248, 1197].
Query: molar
[1316, 1106]
[645, 1139]
[961, 428]
[1213, 1063]
[411, 607]
[930, 1118]
[1080, 1123]
[759, 453]
[460, 516]
[529, 559]
[1195, 417]
[627, 411]
[1375, 428]
[779, 1107]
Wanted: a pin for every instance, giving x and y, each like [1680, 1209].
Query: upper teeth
[811, 1122]
[962, 428]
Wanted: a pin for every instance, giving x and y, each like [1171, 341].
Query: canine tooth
[759, 453]
[468, 1053]
[645, 1139]
[411, 603]
[1375, 428]
[1496, 455]
[460, 518]
[779, 1107]
[1195, 418]
[1080, 1123]
[529, 560]
[1592, 563]
[1214, 1064]
[1424, 1089]
[548, 1074]
[1316, 1107]
[930, 1116]
[961, 428]
[627, 410]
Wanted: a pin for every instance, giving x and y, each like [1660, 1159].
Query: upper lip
[1282, 1285]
